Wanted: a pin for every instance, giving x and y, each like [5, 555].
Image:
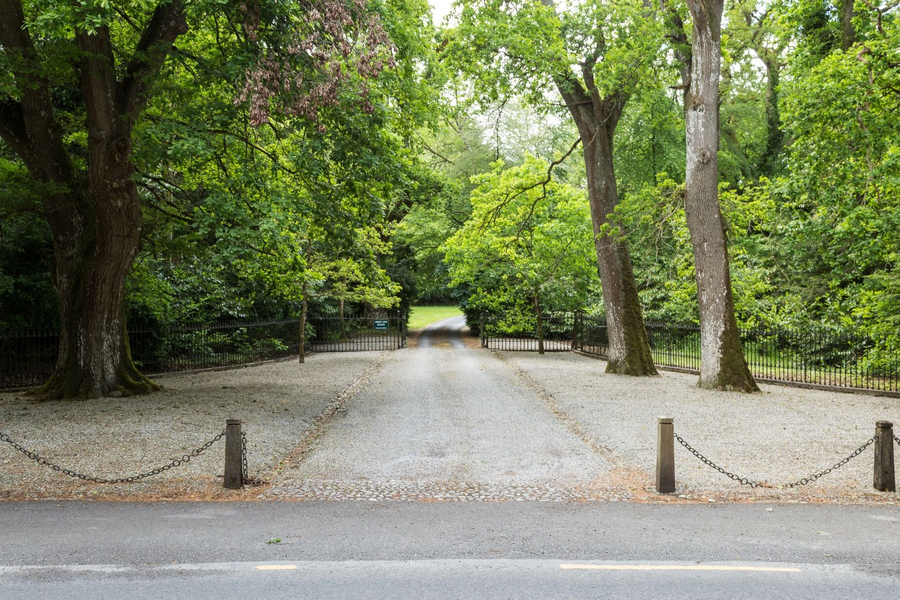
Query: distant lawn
[420, 316]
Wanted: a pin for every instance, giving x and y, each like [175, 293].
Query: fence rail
[815, 356]
[552, 333]
[28, 359]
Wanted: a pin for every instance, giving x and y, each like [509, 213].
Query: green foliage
[241, 219]
[649, 141]
[532, 48]
[27, 297]
[528, 246]
[659, 238]
[841, 202]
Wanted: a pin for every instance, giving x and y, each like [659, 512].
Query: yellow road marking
[276, 567]
[680, 568]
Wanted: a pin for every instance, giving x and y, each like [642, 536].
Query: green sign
[381, 325]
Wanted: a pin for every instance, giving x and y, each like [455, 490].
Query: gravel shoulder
[439, 422]
[277, 402]
[777, 436]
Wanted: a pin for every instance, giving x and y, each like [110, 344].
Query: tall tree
[593, 56]
[94, 212]
[722, 363]
[117, 54]
[757, 38]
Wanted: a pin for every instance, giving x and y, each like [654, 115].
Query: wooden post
[234, 455]
[665, 456]
[884, 457]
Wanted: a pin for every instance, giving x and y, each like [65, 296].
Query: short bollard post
[234, 454]
[665, 457]
[884, 457]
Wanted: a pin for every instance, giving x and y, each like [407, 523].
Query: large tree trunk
[629, 347]
[91, 265]
[95, 216]
[722, 363]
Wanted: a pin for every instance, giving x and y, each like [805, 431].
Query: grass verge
[420, 316]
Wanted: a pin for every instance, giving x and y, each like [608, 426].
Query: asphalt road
[447, 550]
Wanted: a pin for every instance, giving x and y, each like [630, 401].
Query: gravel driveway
[445, 420]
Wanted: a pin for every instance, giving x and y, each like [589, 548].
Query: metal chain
[245, 470]
[798, 483]
[897, 439]
[738, 478]
[175, 463]
[836, 465]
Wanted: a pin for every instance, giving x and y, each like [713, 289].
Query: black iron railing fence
[334, 334]
[814, 356]
[28, 359]
[216, 345]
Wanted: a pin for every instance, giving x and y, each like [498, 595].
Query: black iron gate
[355, 334]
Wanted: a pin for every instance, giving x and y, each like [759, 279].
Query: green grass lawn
[420, 316]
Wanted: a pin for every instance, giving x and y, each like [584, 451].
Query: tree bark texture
[848, 31]
[596, 118]
[95, 215]
[722, 363]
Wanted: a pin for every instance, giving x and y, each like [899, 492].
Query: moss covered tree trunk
[94, 214]
[768, 163]
[596, 118]
[722, 363]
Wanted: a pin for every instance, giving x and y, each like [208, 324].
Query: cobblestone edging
[320, 424]
[553, 406]
[411, 491]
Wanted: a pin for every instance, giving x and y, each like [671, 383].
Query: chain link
[798, 483]
[897, 439]
[175, 463]
[245, 470]
[836, 465]
[738, 478]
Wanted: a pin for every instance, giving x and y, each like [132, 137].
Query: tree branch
[156, 42]
[161, 199]
[495, 211]
[29, 126]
